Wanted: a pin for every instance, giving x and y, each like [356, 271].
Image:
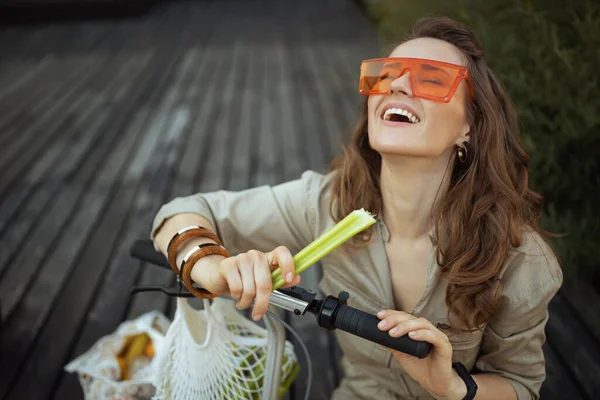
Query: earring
[462, 154]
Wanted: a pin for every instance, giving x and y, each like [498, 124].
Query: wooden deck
[103, 121]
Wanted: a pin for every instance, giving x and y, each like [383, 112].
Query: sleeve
[260, 218]
[513, 340]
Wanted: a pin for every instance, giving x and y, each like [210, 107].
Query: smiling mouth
[400, 115]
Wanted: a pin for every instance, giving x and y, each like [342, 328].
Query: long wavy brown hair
[488, 202]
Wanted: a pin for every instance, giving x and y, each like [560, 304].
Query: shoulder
[317, 189]
[307, 187]
[532, 271]
[317, 181]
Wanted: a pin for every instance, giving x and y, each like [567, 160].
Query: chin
[397, 144]
[400, 151]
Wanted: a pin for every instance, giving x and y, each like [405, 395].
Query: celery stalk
[353, 223]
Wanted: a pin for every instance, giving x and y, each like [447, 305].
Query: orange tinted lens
[433, 80]
[376, 76]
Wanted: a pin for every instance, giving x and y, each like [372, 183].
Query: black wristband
[461, 370]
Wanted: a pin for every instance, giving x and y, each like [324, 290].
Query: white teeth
[399, 111]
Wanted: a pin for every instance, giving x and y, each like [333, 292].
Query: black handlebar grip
[144, 250]
[363, 324]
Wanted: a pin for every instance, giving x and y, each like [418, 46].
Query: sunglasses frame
[409, 63]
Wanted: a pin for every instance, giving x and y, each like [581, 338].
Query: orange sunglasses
[431, 80]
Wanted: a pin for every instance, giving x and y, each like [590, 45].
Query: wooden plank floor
[101, 122]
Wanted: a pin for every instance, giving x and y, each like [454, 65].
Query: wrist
[458, 389]
[206, 272]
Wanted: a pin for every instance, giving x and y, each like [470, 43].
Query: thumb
[282, 258]
[294, 282]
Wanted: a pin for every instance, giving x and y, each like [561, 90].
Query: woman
[456, 258]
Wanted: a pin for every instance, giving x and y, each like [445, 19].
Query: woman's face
[440, 125]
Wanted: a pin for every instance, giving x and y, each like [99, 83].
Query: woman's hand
[434, 372]
[248, 277]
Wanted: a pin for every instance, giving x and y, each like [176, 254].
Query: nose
[402, 84]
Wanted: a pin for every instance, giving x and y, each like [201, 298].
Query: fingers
[246, 268]
[391, 318]
[264, 287]
[423, 335]
[399, 323]
[249, 278]
[282, 258]
[229, 270]
[403, 327]
[238, 271]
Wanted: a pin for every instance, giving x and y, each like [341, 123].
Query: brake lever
[172, 291]
[295, 299]
[179, 290]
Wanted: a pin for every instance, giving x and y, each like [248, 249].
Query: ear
[461, 140]
[464, 136]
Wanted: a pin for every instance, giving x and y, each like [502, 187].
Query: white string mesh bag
[213, 354]
[99, 371]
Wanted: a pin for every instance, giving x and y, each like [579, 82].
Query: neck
[410, 188]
